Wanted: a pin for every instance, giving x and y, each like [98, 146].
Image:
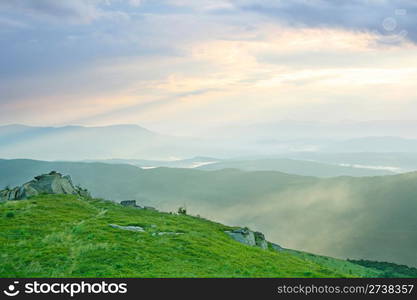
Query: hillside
[68, 236]
[358, 218]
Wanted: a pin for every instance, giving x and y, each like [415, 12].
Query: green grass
[64, 236]
[343, 266]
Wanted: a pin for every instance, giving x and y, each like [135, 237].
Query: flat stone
[167, 233]
[129, 228]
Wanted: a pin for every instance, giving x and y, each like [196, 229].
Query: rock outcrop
[243, 235]
[252, 238]
[260, 240]
[52, 183]
[130, 203]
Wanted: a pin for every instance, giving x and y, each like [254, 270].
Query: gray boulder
[243, 235]
[131, 203]
[248, 237]
[52, 183]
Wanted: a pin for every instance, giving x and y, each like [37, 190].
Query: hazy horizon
[373, 128]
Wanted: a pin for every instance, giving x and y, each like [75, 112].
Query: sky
[182, 66]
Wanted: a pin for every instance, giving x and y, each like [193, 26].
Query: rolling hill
[292, 166]
[359, 218]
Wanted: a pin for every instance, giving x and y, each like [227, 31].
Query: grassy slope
[62, 236]
[341, 265]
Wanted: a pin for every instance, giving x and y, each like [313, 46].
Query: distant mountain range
[79, 143]
[347, 217]
[76, 143]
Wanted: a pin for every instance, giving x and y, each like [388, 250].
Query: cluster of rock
[132, 203]
[252, 238]
[52, 183]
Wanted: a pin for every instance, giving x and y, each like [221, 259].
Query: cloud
[74, 11]
[135, 2]
[7, 24]
[83, 11]
[203, 5]
[388, 18]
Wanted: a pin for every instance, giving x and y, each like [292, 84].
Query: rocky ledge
[52, 183]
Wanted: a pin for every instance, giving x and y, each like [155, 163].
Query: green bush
[182, 211]
[10, 214]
